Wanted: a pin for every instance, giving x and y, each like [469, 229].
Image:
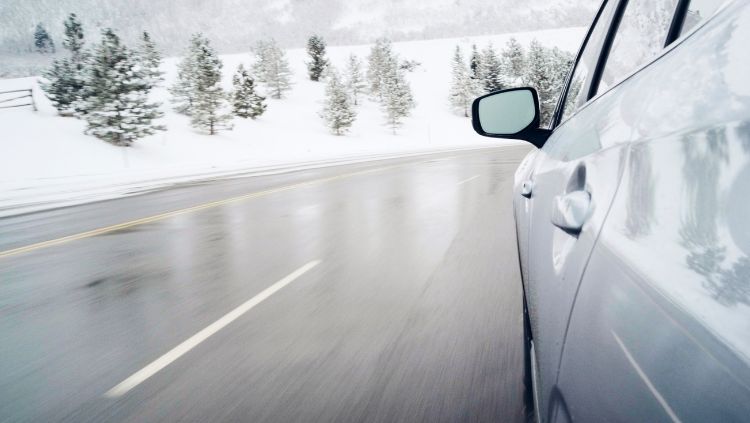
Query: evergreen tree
[183, 89]
[74, 43]
[60, 84]
[115, 105]
[42, 40]
[355, 82]
[463, 87]
[379, 62]
[491, 70]
[63, 83]
[475, 63]
[316, 48]
[397, 99]
[246, 103]
[547, 70]
[208, 98]
[564, 64]
[338, 111]
[559, 65]
[271, 68]
[73, 35]
[538, 76]
[150, 58]
[514, 61]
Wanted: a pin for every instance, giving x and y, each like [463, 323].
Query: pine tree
[397, 99]
[380, 59]
[182, 90]
[538, 67]
[491, 70]
[547, 70]
[246, 103]
[207, 112]
[316, 48]
[42, 40]
[63, 83]
[60, 84]
[559, 64]
[338, 111]
[565, 62]
[475, 63]
[355, 82]
[115, 105]
[150, 58]
[271, 68]
[74, 42]
[514, 62]
[73, 35]
[463, 87]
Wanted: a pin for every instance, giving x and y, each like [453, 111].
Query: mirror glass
[507, 113]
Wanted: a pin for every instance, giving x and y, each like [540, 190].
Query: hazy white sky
[236, 24]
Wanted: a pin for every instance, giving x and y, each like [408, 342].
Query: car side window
[641, 36]
[578, 88]
[696, 12]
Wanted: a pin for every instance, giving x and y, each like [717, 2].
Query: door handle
[526, 188]
[571, 211]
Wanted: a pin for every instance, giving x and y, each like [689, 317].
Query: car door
[564, 200]
[660, 329]
[573, 97]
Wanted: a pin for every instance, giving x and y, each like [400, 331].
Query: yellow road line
[162, 216]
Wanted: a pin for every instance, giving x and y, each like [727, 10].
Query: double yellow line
[167, 215]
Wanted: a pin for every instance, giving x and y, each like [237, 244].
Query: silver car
[633, 217]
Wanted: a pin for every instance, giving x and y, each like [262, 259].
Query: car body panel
[661, 326]
[556, 258]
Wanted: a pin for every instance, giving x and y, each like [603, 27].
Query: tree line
[385, 81]
[109, 84]
[540, 67]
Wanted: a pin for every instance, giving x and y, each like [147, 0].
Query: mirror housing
[512, 113]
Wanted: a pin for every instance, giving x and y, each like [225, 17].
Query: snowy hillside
[41, 152]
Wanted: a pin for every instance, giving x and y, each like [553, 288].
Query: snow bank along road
[379, 291]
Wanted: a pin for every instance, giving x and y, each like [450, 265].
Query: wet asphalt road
[412, 314]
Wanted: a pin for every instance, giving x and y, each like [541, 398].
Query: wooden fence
[16, 100]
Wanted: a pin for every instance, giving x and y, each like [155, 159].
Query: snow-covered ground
[46, 160]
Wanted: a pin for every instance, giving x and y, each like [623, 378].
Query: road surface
[386, 291]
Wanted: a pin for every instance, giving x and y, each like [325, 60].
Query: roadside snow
[47, 161]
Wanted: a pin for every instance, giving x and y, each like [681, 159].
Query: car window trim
[678, 21]
[609, 40]
[655, 59]
[614, 24]
[592, 84]
[683, 15]
[564, 96]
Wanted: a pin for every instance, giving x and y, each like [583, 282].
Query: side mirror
[512, 113]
